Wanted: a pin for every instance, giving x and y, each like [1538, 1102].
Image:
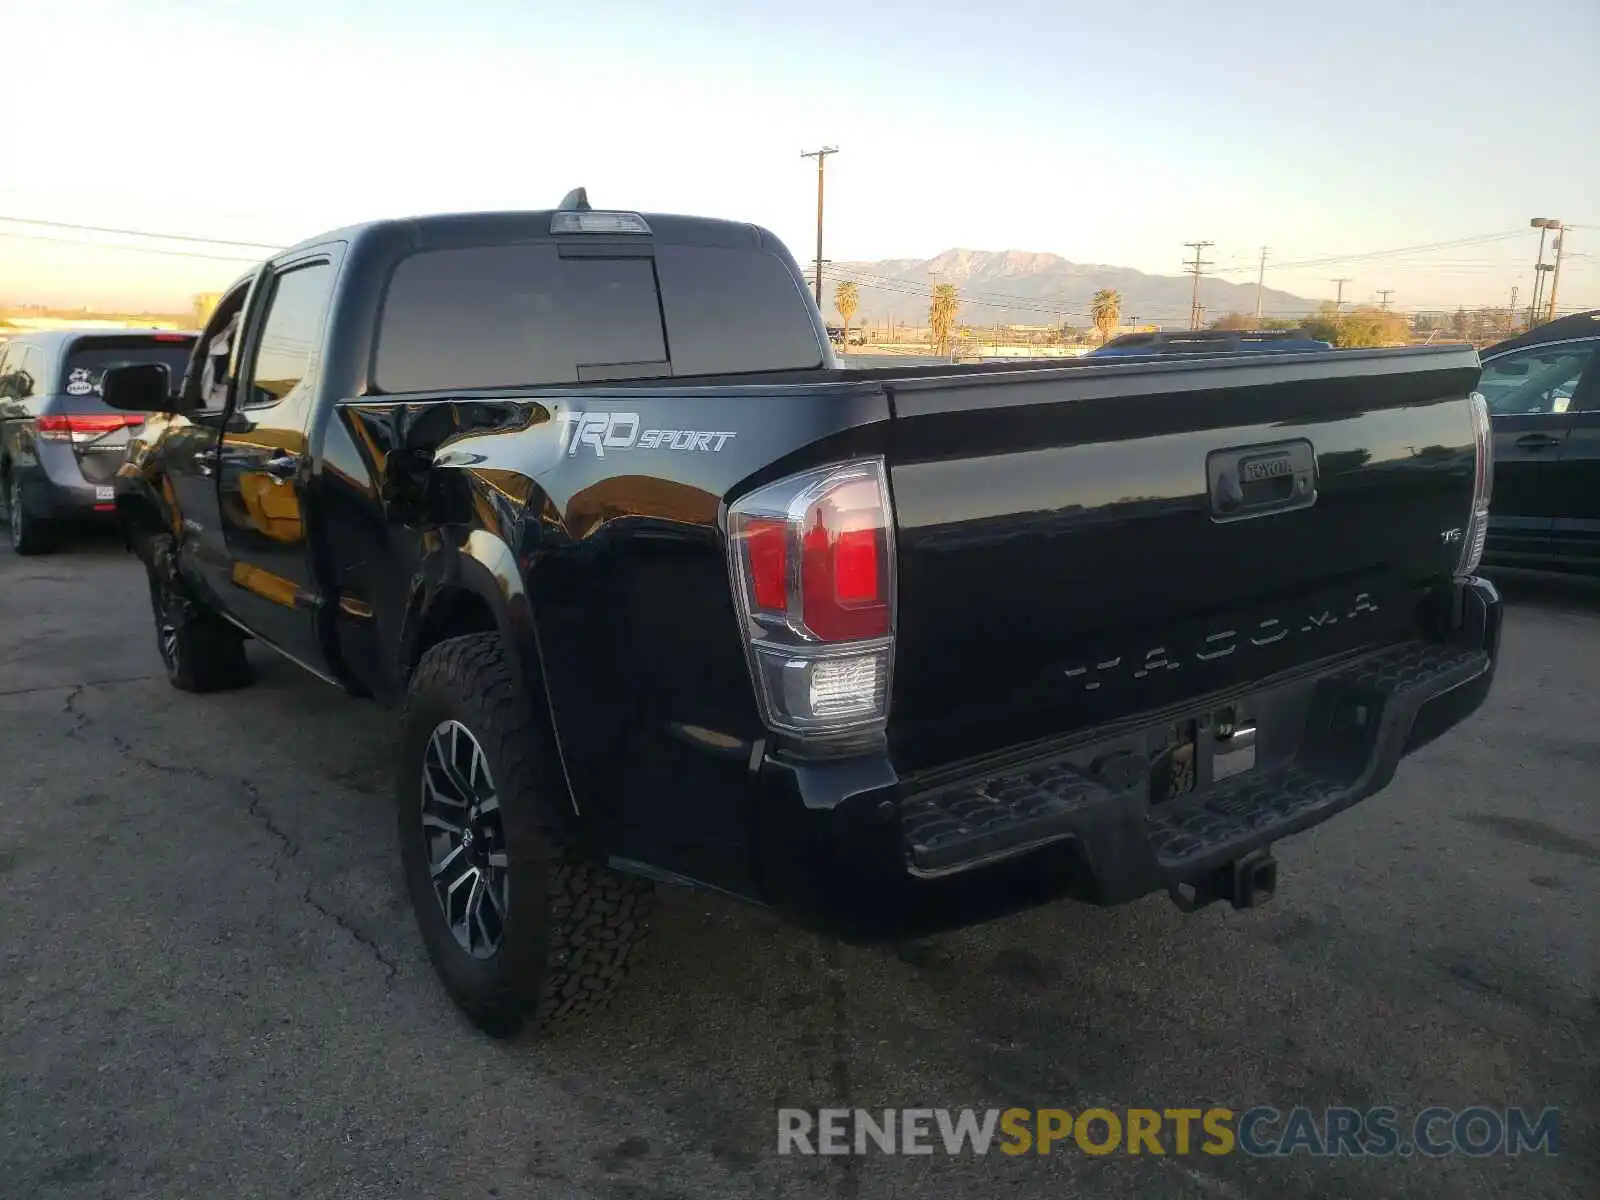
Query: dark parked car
[59, 443]
[668, 596]
[1543, 390]
[1209, 341]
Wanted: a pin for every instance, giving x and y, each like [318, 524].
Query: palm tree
[846, 299]
[942, 316]
[1106, 310]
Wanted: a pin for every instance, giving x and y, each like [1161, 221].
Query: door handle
[282, 466]
[1536, 441]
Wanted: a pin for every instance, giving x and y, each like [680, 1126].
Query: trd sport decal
[620, 431]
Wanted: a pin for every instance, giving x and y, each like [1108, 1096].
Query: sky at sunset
[1102, 134]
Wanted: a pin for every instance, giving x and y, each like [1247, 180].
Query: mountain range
[1020, 287]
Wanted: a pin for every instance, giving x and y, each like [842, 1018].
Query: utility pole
[1544, 225]
[1338, 304]
[1385, 293]
[1511, 312]
[1195, 269]
[1555, 278]
[821, 156]
[1261, 276]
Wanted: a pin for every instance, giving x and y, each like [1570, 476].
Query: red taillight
[813, 569]
[844, 594]
[766, 542]
[171, 337]
[64, 427]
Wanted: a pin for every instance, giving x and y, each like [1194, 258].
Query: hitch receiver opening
[1248, 882]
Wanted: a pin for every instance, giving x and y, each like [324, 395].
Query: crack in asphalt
[255, 809]
[75, 687]
[80, 721]
[339, 919]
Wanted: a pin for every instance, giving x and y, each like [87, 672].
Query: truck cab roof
[448, 229]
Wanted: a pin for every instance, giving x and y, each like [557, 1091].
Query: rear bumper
[850, 846]
[54, 489]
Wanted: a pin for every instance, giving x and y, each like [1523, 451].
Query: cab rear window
[90, 358]
[520, 316]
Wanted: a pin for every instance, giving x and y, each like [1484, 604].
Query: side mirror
[144, 387]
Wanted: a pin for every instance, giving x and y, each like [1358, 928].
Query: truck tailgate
[1076, 546]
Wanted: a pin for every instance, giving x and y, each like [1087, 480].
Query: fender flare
[482, 564]
[142, 509]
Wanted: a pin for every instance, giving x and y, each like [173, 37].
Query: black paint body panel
[1049, 518]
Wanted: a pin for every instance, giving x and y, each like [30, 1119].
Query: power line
[144, 233]
[33, 237]
[1325, 260]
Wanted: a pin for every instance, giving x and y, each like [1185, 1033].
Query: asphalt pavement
[210, 983]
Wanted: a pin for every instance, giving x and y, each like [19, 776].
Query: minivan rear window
[89, 359]
[519, 316]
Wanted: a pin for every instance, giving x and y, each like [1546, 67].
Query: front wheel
[523, 932]
[201, 651]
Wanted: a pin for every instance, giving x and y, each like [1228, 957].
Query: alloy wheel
[166, 626]
[464, 839]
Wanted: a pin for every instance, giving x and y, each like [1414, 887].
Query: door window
[23, 372]
[1543, 379]
[290, 334]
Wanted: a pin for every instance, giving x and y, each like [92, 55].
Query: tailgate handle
[1253, 481]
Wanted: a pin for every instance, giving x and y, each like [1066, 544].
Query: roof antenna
[577, 200]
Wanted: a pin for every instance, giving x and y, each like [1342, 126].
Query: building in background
[32, 324]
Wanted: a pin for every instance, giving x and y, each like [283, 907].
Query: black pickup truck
[667, 596]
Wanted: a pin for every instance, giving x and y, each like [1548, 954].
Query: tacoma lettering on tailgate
[1219, 643]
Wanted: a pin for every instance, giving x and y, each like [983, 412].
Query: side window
[1543, 379]
[7, 352]
[28, 373]
[290, 334]
[216, 358]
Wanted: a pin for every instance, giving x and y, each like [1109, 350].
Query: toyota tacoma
[664, 595]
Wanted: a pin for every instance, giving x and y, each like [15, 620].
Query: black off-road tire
[570, 926]
[201, 651]
[29, 535]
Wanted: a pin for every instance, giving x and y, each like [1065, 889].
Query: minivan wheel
[201, 651]
[29, 535]
[523, 932]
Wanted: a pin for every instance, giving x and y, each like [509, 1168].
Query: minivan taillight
[812, 560]
[84, 427]
[1477, 530]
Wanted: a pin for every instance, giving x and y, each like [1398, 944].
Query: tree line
[1362, 325]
